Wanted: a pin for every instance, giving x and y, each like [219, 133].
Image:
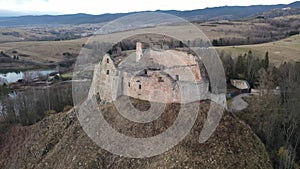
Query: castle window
[145, 71]
[140, 86]
[107, 60]
[107, 72]
[128, 84]
[160, 79]
[177, 77]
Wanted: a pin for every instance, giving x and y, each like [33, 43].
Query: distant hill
[282, 12]
[226, 12]
[57, 19]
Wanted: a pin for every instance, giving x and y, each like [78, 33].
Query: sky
[37, 7]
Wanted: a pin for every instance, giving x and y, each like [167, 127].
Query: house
[242, 85]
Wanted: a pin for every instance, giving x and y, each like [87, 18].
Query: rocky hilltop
[58, 141]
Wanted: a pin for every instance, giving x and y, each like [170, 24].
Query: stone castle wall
[153, 87]
[178, 83]
[191, 74]
[108, 79]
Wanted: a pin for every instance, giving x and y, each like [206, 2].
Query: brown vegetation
[275, 118]
[59, 142]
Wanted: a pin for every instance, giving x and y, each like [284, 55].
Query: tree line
[247, 66]
[274, 117]
[32, 104]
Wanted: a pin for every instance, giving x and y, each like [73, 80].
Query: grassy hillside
[18, 34]
[279, 51]
[52, 51]
[44, 51]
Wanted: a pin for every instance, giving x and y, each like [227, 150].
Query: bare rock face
[58, 141]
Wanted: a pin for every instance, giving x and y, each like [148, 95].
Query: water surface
[14, 76]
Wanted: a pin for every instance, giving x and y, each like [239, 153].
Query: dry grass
[52, 51]
[43, 51]
[222, 29]
[284, 50]
[24, 34]
[288, 17]
[58, 141]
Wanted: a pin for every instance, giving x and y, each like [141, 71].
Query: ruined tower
[139, 51]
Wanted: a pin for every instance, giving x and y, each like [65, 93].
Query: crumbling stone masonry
[155, 75]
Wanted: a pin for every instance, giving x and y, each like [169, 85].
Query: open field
[45, 51]
[280, 51]
[52, 51]
[287, 17]
[23, 34]
[213, 30]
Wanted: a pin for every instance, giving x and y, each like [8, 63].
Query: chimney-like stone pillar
[139, 51]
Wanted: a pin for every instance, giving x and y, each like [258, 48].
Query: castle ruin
[156, 75]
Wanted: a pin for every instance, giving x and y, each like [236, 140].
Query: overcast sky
[117, 6]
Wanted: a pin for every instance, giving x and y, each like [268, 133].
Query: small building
[242, 85]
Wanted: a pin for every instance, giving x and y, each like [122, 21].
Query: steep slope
[58, 141]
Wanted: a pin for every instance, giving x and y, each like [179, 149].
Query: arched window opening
[160, 79]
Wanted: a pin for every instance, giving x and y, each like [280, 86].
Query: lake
[14, 76]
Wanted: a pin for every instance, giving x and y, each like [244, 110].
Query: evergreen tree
[265, 61]
[240, 65]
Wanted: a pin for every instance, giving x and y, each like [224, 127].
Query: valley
[47, 64]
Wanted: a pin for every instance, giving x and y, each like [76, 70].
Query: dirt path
[238, 104]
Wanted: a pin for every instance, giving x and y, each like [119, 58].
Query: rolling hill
[52, 51]
[225, 12]
[279, 51]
